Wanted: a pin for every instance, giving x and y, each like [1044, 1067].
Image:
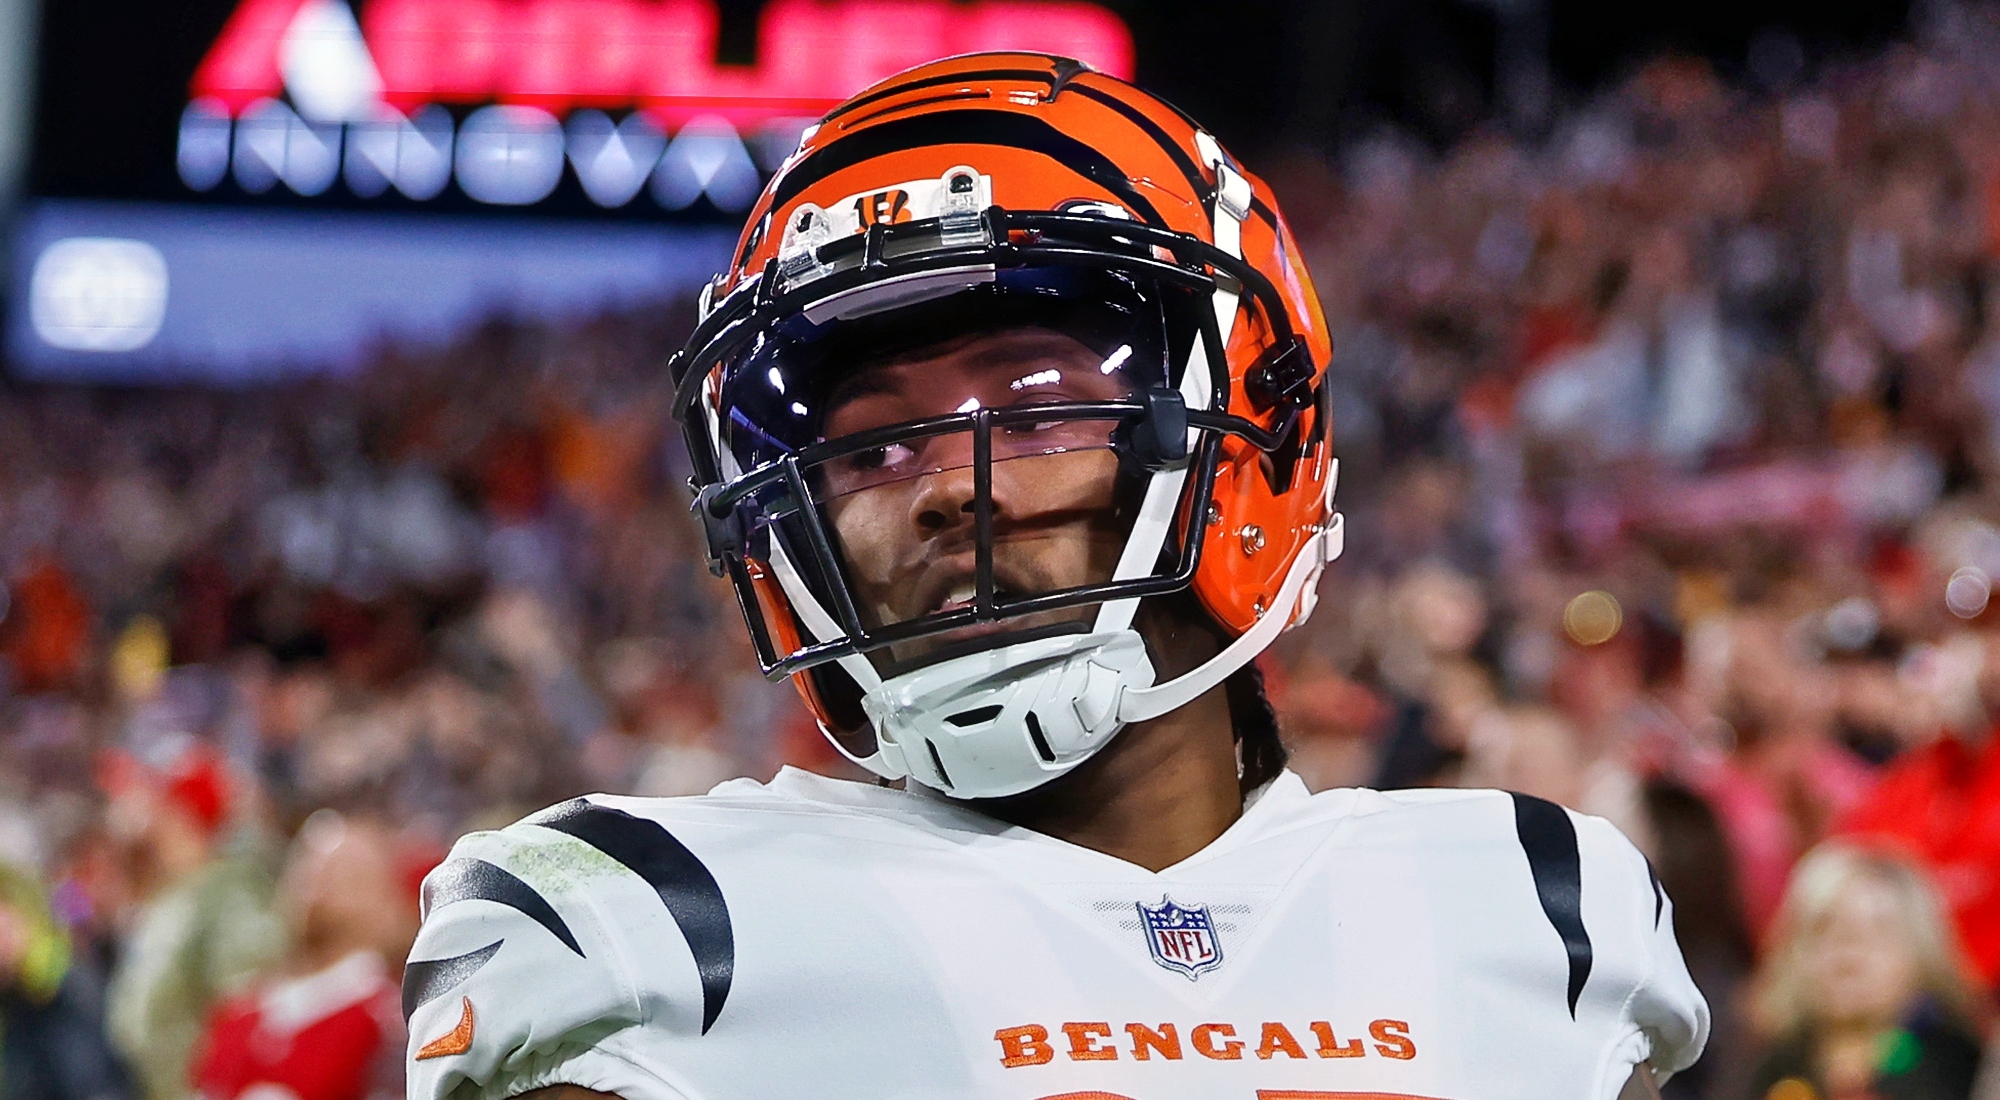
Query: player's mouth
[954, 588]
[962, 596]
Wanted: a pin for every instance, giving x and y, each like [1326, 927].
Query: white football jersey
[821, 939]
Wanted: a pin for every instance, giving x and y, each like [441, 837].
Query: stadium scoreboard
[224, 190]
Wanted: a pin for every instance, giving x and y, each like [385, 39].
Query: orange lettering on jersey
[1027, 1045]
[1145, 1041]
[1392, 1039]
[1278, 1037]
[1095, 1041]
[1083, 1042]
[1203, 1037]
[1328, 1048]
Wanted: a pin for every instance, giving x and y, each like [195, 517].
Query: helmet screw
[1258, 607]
[1253, 538]
[1214, 515]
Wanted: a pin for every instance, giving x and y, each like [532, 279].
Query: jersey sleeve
[1666, 1016]
[517, 980]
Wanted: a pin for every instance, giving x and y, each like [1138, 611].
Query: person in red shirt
[327, 1024]
[1941, 802]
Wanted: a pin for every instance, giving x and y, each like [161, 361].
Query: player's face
[904, 513]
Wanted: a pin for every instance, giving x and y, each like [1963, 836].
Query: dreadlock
[1256, 726]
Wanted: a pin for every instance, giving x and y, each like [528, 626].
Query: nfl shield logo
[1181, 937]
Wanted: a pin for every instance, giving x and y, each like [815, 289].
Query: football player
[1011, 431]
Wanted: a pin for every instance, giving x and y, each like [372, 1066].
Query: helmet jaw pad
[1009, 719]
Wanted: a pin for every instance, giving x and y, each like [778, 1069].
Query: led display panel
[224, 188]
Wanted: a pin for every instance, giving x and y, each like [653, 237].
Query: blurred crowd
[1670, 445]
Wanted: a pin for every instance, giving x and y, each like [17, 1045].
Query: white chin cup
[1009, 719]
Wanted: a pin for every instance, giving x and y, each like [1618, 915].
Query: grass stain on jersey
[558, 863]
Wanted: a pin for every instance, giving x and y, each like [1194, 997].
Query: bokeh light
[1593, 618]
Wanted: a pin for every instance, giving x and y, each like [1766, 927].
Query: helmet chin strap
[1139, 704]
[1008, 720]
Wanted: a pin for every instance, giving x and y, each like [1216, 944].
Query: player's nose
[945, 499]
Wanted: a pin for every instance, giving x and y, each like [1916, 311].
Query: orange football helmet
[990, 190]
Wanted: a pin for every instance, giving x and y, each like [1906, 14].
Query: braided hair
[1255, 724]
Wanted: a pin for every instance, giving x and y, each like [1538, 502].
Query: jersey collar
[1264, 809]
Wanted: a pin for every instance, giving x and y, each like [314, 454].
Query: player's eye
[886, 457]
[1034, 427]
[1031, 428]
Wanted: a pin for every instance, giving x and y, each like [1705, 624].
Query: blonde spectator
[1863, 994]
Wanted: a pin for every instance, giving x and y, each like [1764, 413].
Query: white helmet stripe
[1156, 511]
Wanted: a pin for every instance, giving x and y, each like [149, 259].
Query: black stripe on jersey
[965, 126]
[1549, 839]
[682, 881]
[1659, 893]
[427, 980]
[468, 879]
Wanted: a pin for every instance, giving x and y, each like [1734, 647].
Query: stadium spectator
[1692, 857]
[326, 1022]
[1863, 992]
[203, 928]
[1940, 800]
[1786, 779]
[52, 1042]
